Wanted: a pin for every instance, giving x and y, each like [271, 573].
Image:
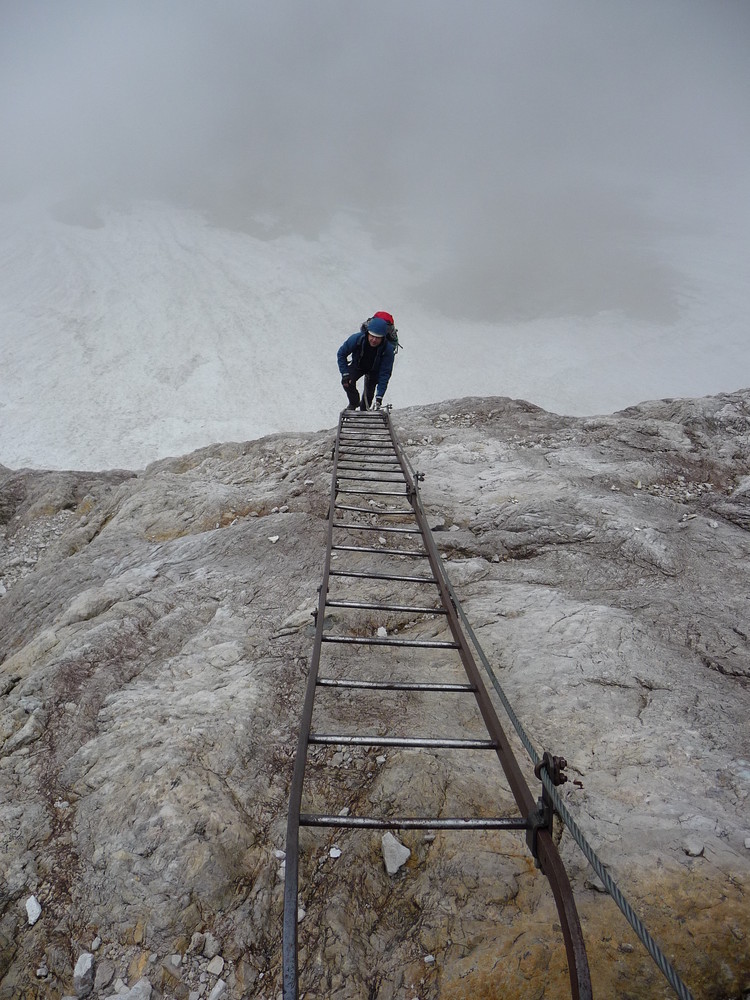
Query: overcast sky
[537, 147]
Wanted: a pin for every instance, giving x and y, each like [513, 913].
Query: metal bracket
[554, 766]
[542, 818]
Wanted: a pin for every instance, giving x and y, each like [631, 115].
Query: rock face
[154, 640]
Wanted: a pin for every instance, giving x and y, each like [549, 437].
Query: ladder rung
[383, 576]
[377, 527]
[374, 510]
[355, 640]
[374, 493]
[365, 434]
[331, 682]
[370, 468]
[418, 742]
[386, 607]
[369, 479]
[415, 822]
[365, 449]
[390, 552]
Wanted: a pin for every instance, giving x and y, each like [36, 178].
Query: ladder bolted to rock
[372, 481]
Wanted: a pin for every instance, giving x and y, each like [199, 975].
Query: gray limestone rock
[105, 973]
[154, 649]
[83, 974]
[141, 991]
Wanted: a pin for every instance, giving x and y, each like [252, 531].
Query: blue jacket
[382, 366]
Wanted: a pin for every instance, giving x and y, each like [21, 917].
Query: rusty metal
[394, 685]
[554, 766]
[548, 856]
[414, 822]
[366, 605]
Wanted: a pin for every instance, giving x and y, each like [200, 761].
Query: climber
[369, 352]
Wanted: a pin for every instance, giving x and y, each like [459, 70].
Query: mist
[534, 154]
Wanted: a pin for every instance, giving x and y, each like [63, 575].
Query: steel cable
[559, 806]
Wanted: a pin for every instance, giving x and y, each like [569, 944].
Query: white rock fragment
[279, 855]
[693, 847]
[301, 914]
[218, 991]
[83, 974]
[395, 855]
[335, 852]
[382, 633]
[380, 759]
[215, 966]
[33, 910]
[747, 843]
[96, 943]
[273, 539]
[429, 960]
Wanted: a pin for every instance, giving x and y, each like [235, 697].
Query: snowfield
[133, 333]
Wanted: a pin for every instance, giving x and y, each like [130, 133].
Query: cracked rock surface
[154, 644]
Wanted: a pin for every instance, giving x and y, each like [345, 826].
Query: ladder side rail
[291, 875]
[551, 863]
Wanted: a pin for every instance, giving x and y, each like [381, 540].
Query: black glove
[346, 381]
[378, 402]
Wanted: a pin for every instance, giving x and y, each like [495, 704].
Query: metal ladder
[371, 476]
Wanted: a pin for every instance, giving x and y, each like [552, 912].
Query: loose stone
[83, 974]
[105, 973]
[216, 966]
[211, 946]
[395, 855]
[693, 847]
[33, 910]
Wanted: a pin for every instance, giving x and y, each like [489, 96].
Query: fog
[534, 154]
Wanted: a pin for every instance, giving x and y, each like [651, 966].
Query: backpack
[392, 334]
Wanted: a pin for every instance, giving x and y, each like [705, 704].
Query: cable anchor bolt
[542, 818]
[554, 766]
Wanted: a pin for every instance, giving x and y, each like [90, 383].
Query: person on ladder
[370, 352]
